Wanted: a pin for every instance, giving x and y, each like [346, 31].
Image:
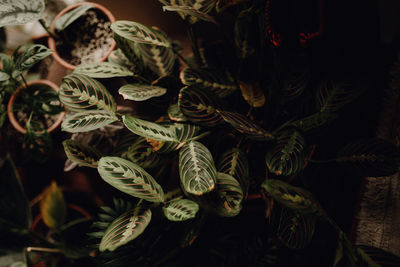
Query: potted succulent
[217, 146]
[79, 33]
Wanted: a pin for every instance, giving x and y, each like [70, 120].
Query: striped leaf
[68, 18]
[127, 55]
[103, 70]
[130, 178]
[194, 9]
[234, 163]
[295, 84]
[87, 121]
[287, 156]
[230, 196]
[374, 257]
[149, 129]
[81, 93]
[245, 126]
[32, 55]
[253, 94]
[180, 210]
[332, 96]
[196, 169]
[118, 57]
[217, 82]
[18, 12]
[159, 59]
[371, 157]
[125, 228]
[244, 39]
[292, 197]
[4, 76]
[139, 33]
[295, 230]
[141, 153]
[141, 92]
[81, 154]
[175, 114]
[192, 12]
[199, 106]
[314, 121]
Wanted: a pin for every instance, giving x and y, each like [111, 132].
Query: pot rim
[10, 111]
[52, 43]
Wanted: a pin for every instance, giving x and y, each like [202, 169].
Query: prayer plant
[233, 126]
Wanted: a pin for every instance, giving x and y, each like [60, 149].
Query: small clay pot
[11, 116]
[52, 42]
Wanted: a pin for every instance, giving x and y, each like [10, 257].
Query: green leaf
[314, 121]
[199, 106]
[141, 92]
[295, 230]
[196, 169]
[37, 141]
[20, 12]
[65, 20]
[87, 121]
[234, 163]
[245, 126]
[53, 207]
[81, 154]
[175, 114]
[139, 33]
[332, 96]
[32, 55]
[192, 12]
[14, 205]
[221, 84]
[287, 157]
[4, 76]
[370, 157]
[180, 210]
[141, 152]
[125, 228]
[159, 59]
[193, 9]
[130, 178]
[81, 93]
[253, 94]
[230, 195]
[374, 257]
[118, 57]
[128, 54]
[149, 129]
[103, 70]
[292, 197]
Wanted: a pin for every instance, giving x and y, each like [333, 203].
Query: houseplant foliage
[230, 126]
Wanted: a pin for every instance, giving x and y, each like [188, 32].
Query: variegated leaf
[288, 155]
[314, 121]
[128, 55]
[292, 197]
[196, 169]
[253, 94]
[81, 154]
[194, 9]
[87, 121]
[194, 13]
[18, 12]
[175, 114]
[130, 178]
[234, 162]
[103, 70]
[199, 106]
[159, 59]
[140, 92]
[332, 96]
[32, 55]
[180, 210]
[141, 152]
[68, 18]
[230, 195]
[245, 126]
[295, 230]
[81, 93]
[220, 83]
[4, 76]
[118, 57]
[149, 129]
[125, 228]
[139, 33]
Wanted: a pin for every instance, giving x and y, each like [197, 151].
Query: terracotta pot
[11, 115]
[52, 42]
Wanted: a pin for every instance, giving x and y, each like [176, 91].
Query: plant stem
[195, 46]
[23, 80]
[40, 249]
[47, 29]
[40, 237]
[182, 58]
[199, 136]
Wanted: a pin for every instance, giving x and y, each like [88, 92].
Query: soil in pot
[86, 40]
[39, 100]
